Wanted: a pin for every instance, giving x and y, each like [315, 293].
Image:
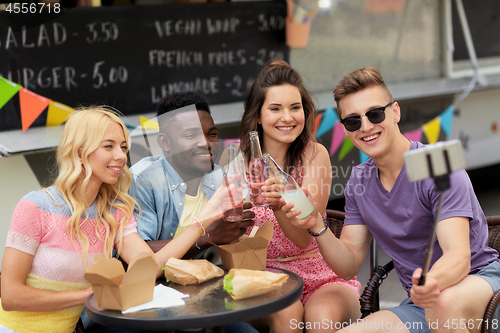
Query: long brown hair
[276, 73]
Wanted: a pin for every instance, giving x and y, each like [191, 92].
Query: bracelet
[201, 229]
[322, 231]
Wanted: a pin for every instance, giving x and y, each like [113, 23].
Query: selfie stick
[436, 161]
[442, 184]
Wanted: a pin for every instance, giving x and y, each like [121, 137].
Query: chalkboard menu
[130, 56]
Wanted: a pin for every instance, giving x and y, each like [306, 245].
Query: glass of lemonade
[290, 191]
[300, 202]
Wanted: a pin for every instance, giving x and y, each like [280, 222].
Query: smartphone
[434, 160]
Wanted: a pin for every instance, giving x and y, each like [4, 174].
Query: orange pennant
[317, 121]
[32, 105]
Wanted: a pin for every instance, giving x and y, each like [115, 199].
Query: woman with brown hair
[280, 109]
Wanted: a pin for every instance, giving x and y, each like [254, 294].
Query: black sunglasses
[375, 116]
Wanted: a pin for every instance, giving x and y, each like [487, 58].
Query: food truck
[438, 58]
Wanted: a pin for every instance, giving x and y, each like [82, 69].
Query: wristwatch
[322, 231]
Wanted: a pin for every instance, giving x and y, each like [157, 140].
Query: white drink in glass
[300, 201]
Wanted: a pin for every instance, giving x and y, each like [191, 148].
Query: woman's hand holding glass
[314, 222]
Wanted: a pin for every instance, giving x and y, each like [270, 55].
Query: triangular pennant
[447, 119]
[7, 90]
[347, 146]
[363, 157]
[148, 123]
[415, 135]
[338, 136]
[129, 126]
[32, 105]
[317, 121]
[431, 130]
[58, 113]
[329, 119]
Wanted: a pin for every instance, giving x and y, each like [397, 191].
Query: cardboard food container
[248, 252]
[116, 290]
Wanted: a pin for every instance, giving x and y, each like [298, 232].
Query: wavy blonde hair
[82, 135]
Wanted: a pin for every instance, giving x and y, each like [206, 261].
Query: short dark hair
[177, 101]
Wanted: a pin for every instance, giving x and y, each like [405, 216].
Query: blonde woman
[56, 232]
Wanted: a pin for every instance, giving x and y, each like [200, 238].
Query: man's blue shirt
[160, 192]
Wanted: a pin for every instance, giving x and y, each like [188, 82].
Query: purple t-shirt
[401, 220]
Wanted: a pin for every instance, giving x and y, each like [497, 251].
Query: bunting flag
[446, 119]
[347, 146]
[328, 121]
[415, 135]
[338, 137]
[32, 105]
[431, 130]
[58, 113]
[363, 157]
[148, 123]
[7, 90]
[129, 126]
[317, 121]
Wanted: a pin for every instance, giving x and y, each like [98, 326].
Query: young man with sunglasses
[399, 214]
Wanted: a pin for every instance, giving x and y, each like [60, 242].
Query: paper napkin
[163, 297]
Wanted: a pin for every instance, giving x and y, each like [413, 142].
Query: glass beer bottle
[257, 171]
[289, 189]
[233, 203]
[240, 159]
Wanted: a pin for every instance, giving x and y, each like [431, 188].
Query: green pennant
[347, 146]
[7, 90]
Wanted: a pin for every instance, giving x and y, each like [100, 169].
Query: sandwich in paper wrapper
[191, 271]
[245, 283]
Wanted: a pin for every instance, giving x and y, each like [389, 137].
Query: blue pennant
[446, 120]
[363, 157]
[327, 122]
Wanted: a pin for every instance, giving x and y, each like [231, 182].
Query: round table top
[208, 305]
